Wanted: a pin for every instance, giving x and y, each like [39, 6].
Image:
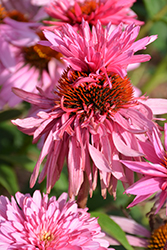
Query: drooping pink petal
[99, 159]
[145, 186]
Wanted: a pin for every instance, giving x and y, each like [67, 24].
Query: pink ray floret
[102, 49]
[47, 224]
[154, 172]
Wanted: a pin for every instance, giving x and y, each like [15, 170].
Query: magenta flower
[24, 63]
[41, 223]
[93, 118]
[154, 173]
[72, 12]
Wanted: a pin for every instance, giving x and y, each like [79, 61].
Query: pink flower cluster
[85, 111]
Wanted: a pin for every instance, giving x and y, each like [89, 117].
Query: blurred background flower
[24, 63]
[72, 12]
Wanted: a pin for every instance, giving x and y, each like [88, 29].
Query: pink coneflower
[41, 223]
[93, 117]
[14, 29]
[21, 9]
[24, 63]
[154, 173]
[72, 12]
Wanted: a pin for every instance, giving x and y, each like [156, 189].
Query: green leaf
[9, 114]
[8, 179]
[16, 159]
[160, 28]
[153, 6]
[157, 78]
[112, 229]
[19, 160]
[156, 16]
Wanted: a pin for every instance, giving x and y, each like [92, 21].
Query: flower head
[154, 173]
[15, 29]
[72, 12]
[41, 223]
[92, 118]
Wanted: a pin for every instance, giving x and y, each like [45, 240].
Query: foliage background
[18, 155]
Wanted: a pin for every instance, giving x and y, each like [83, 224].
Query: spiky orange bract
[16, 15]
[2, 13]
[164, 160]
[96, 97]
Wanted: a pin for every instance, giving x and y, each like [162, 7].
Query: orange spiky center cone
[13, 14]
[97, 96]
[87, 7]
[39, 55]
[158, 238]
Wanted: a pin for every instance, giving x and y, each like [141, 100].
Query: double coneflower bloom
[41, 223]
[93, 118]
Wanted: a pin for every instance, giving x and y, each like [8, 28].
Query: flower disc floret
[39, 56]
[158, 238]
[96, 95]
